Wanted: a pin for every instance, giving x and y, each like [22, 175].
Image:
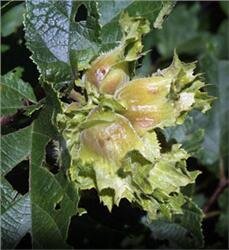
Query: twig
[211, 214]
[221, 170]
[6, 4]
[222, 184]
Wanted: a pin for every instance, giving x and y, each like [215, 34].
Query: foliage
[15, 215]
[14, 92]
[181, 231]
[86, 124]
[12, 19]
[214, 64]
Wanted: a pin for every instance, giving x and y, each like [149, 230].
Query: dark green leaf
[111, 9]
[13, 151]
[180, 31]
[15, 215]
[12, 19]
[199, 199]
[13, 92]
[53, 197]
[222, 224]
[60, 45]
[183, 231]
[223, 69]
[216, 122]
[189, 134]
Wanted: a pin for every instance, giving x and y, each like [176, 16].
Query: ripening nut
[109, 140]
[146, 103]
[108, 71]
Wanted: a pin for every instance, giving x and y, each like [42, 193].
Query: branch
[211, 214]
[222, 184]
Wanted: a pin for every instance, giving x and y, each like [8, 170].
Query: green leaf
[15, 215]
[12, 19]
[216, 122]
[183, 231]
[199, 199]
[222, 224]
[110, 12]
[52, 197]
[185, 38]
[189, 134]
[13, 151]
[61, 46]
[13, 92]
[46, 189]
